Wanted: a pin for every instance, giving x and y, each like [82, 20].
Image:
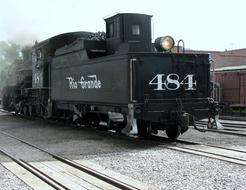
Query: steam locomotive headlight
[165, 43]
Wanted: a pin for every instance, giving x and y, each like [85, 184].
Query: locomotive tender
[118, 81]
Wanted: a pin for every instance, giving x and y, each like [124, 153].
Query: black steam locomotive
[117, 80]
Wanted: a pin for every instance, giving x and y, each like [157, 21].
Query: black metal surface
[123, 69]
[113, 74]
[108, 75]
[122, 36]
[43, 52]
[148, 66]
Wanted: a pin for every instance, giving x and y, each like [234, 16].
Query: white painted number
[159, 83]
[172, 82]
[191, 83]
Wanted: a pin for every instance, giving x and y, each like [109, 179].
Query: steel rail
[209, 155]
[206, 153]
[221, 147]
[225, 124]
[110, 180]
[224, 131]
[227, 132]
[165, 139]
[53, 183]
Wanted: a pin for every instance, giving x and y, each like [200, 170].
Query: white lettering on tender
[90, 83]
[172, 82]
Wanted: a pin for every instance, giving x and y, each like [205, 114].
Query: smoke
[22, 37]
[17, 23]
[19, 34]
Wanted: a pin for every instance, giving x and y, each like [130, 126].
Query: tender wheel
[92, 120]
[144, 128]
[173, 131]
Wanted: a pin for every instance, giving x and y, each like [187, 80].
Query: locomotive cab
[129, 33]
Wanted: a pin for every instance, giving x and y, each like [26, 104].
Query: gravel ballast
[143, 160]
[167, 169]
[9, 181]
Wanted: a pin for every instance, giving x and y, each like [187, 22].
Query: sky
[202, 24]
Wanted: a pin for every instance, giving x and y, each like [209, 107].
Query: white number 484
[172, 82]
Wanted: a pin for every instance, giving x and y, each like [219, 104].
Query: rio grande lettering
[90, 83]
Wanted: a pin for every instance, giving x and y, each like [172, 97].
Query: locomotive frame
[118, 81]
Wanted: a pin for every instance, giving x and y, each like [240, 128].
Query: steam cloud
[24, 38]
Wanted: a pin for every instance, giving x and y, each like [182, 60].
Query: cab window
[110, 30]
[135, 29]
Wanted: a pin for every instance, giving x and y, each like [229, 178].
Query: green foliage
[9, 53]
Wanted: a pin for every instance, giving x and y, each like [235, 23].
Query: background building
[230, 79]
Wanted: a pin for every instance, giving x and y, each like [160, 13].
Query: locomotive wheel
[144, 128]
[173, 131]
[92, 120]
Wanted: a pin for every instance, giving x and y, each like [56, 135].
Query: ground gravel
[212, 138]
[142, 160]
[9, 181]
[173, 170]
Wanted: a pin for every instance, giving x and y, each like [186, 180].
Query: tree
[9, 53]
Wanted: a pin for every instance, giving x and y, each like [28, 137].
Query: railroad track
[65, 174]
[236, 125]
[217, 152]
[229, 128]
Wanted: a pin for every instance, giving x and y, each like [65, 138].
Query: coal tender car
[119, 81]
